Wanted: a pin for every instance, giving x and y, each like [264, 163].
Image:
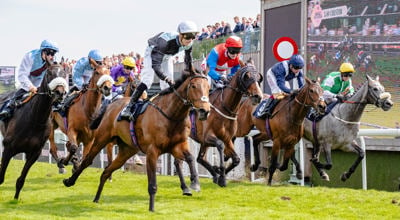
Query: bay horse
[163, 128]
[285, 127]
[76, 122]
[219, 128]
[29, 128]
[339, 128]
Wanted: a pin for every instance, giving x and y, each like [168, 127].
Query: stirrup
[125, 115]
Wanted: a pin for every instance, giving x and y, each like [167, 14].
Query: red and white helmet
[234, 41]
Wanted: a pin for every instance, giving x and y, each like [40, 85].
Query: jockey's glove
[223, 78]
[295, 91]
[340, 98]
[169, 81]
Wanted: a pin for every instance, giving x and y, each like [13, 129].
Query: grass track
[45, 197]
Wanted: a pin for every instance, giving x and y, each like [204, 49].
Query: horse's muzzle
[321, 107]
[203, 114]
[386, 104]
[106, 91]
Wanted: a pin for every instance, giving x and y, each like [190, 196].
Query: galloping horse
[29, 128]
[285, 127]
[220, 126]
[339, 129]
[76, 122]
[163, 128]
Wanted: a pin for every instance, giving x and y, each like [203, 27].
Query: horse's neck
[173, 106]
[296, 111]
[40, 106]
[92, 100]
[353, 111]
[229, 98]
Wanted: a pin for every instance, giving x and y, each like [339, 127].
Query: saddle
[314, 116]
[68, 101]
[140, 108]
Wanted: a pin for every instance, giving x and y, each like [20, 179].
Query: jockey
[83, 71]
[121, 74]
[31, 73]
[278, 77]
[223, 56]
[158, 59]
[337, 85]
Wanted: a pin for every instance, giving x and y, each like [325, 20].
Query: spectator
[226, 29]
[204, 34]
[238, 25]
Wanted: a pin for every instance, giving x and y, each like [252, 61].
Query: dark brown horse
[218, 130]
[163, 128]
[285, 128]
[29, 128]
[76, 123]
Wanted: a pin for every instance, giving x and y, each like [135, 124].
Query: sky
[112, 26]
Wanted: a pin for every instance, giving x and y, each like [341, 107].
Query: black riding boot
[7, 110]
[269, 108]
[130, 108]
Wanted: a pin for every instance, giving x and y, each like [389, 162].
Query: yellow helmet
[129, 61]
[346, 68]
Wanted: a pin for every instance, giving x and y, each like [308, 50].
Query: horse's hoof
[299, 175]
[328, 166]
[344, 177]
[195, 187]
[325, 177]
[215, 179]
[187, 192]
[253, 168]
[96, 200]
[222, 181]
[67, 183]
[61, 170]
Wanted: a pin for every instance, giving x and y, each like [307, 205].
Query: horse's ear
[368, 77]
[241, 63]
[377, 78]
[307, 80]
[93, 63]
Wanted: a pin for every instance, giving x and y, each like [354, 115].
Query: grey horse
[339, 129]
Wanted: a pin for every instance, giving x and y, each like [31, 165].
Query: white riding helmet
[187, 27]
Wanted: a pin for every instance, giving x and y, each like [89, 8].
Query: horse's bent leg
[201, 159]
[53, 152]
[353, 167]
[124, 153]
[110, 148]
[230, 152]
[317, 164]
[299, 173]
[178, 166]
[274, 161]
[94, 150]
[30, 160]
[257, 162]
[194, 176]
[5, 160]
[151, 165]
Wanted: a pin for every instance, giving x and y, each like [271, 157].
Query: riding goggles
[128, 67]
[49, 52]
[234, 50]
[297, 67]
[347, 74]
[189, 36]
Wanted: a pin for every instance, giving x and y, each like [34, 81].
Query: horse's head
[101, 78]
[248, 80]
[311, 95]
[377, 95]
[197, 91]
[56, 83]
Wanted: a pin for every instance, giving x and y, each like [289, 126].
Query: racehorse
[339, 128]
[220, 126]
[163, 128]
[285, 127]
[76, 122]
[29, 128]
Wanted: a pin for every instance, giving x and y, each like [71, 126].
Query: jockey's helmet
[129, 61]
[346, 68]
[46, 44]
[234, 44]
[297, 61]
[186, 27]
[95, 54]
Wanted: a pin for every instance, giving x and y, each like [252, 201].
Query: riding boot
[269, 108]
[130, 108]
[7, 110]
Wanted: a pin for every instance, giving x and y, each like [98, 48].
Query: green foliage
[45, 197]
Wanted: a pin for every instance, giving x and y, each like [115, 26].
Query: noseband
[187, 101]
[245, 84]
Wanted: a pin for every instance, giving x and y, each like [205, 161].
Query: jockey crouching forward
[221, 57]
[337, 86]
[121, 74]
[30, 74]
[278, 77]
[158, 59]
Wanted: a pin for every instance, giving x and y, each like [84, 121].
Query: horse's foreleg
[124, 153]
[353, 167]
[230, 152]
[257, 162]
[5, 160]
[274, 161]
[222, 175]
[151, 165]
[178, 166]
[299, 173]
[194, 176]
[30, 160]
[201, 159]
[72, 148]
[53, 152]
[110, 148]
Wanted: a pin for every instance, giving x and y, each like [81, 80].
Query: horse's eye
[375, 89]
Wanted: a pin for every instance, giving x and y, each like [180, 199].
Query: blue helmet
[46, 44]
[297, 60]
[95, 54]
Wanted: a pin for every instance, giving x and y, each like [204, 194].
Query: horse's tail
[94, 124]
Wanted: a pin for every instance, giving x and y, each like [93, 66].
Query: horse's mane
[358, 88]
[185, 75]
